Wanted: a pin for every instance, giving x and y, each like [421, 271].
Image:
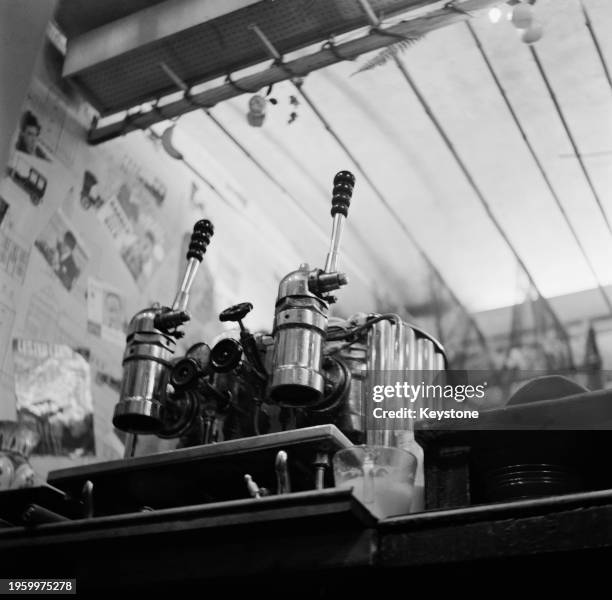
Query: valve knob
[344, 183]
[236, 312]
[200, 238]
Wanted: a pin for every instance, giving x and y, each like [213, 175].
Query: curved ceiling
[416, 177]
[451, 175]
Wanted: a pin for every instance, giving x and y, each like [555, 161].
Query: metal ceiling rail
[396, 217]
[568, 131]
[538, 163]
[589, 25]
[479, 194]
[327, 56]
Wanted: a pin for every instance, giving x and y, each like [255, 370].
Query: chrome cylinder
[146, 371]
[300, 326]
[397, 351]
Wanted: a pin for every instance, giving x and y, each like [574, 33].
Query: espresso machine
[255, 414]
[262, 414]
[309, 370]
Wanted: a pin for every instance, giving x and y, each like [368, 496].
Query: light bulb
[533, 34]
[522, 16]
[495, 14]
[257, 110]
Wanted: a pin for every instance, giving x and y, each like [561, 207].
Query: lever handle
[203, 230]
[344, 183]
[200, 238]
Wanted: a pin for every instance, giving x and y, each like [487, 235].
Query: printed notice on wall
[63, 251]
[53, 390]
[105, 312]
[129, 210]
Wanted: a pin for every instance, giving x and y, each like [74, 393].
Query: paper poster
[106, 317]
[14, 257]
[127, 203]
[62, 250]
[26, 172]
[53, 390]
[7, 318]
[27, 163]
[29, 139]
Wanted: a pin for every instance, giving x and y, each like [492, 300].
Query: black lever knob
[344, 183]
[236, 312]
[200, 238]
[170, 319]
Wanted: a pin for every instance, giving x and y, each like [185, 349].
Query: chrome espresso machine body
[310, 370]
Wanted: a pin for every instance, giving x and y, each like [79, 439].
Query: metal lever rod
[331, 263]
[182, 297]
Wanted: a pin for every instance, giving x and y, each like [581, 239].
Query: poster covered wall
[89, 235]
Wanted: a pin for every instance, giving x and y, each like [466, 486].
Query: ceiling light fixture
[532, 34]
[495, 14]
[166, 140]
[522, 16]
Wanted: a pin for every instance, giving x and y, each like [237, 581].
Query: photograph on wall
[130, 213]
[50, 122]
[27, 175]
[14, 257]
[26, 166]
[29, 136]
[62, 250]
[106, 316]
[53, 391]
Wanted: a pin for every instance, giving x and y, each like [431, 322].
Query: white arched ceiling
[386, 128]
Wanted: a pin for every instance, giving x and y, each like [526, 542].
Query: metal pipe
[35, 514]
[479, 194]
[538, 163]
[281, 467]
[129, 448]
[182, 297]
[589, 25]
[568, 131]
[272, 51]
[367, 9]
[331, 263]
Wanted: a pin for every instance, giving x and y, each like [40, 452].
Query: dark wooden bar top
[317, 544]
